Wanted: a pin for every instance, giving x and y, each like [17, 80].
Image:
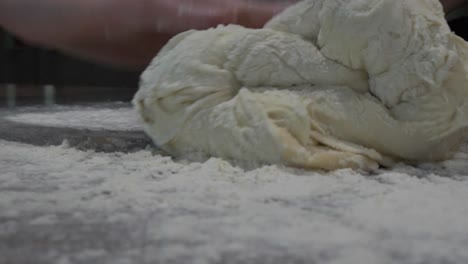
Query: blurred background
[30, 75]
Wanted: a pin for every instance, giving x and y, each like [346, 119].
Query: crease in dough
[324, 85]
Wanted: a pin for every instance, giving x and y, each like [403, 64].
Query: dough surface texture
[324, 85]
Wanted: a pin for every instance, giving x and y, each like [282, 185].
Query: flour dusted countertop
[132, 204]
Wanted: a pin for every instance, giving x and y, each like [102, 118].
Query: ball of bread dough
[325, 85]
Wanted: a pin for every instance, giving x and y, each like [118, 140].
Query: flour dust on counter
[63, 205]
[60, 204]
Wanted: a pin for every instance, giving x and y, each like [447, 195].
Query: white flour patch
[87, 206]
[213, 212]
[122, 119]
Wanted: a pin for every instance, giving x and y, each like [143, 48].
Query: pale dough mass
[325, 85]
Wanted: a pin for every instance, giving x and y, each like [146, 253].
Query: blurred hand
[450, 5]
[123, 32]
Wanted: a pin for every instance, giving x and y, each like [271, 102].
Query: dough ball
[325, 85]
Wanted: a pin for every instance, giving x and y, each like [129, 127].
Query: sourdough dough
[325, 85]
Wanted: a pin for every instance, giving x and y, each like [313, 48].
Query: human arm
[121, 32]
[450, 5]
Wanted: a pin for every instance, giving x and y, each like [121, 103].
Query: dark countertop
[116, 199]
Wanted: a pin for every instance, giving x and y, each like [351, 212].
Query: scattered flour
[90, 118]
[213, 212]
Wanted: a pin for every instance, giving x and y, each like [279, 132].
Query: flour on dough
[325, 85]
